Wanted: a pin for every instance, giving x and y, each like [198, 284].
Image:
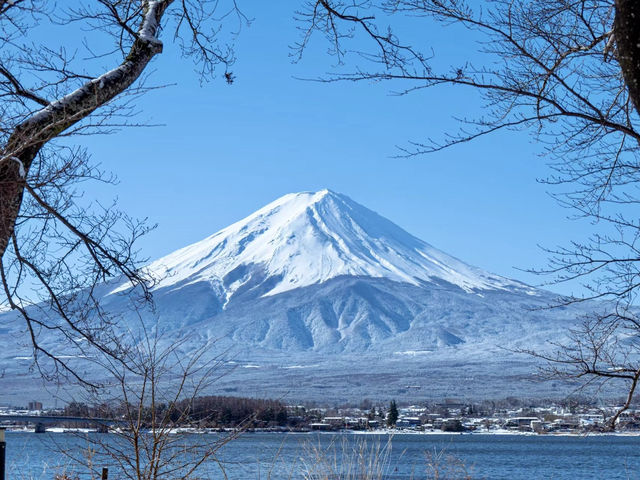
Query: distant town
[215, 413]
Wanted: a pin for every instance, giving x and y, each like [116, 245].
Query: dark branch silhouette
[57, 248]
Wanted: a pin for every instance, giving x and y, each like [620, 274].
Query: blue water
[279, 456]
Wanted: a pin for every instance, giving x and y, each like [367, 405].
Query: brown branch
[20, 90]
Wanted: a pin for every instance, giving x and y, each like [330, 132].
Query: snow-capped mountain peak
[307, 238]
[317, 294]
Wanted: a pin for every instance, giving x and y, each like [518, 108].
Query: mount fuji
[316, 297]
[308, 238]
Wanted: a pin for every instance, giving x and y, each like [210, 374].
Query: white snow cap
[306, 238]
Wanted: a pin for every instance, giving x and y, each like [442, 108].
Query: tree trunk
[11, 188]
[31, 135]
[627, 33]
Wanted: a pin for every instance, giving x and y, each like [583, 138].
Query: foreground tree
[55, 248]
[153, 395]
[568, 71]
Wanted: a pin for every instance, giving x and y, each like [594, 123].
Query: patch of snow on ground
[414, 353]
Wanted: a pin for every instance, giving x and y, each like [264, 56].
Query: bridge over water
[41, 421]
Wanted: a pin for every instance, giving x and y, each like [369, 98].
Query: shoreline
[382, 432]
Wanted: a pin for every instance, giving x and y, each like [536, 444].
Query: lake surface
[283, 456]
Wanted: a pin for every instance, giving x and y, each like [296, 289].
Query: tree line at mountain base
[202, 412]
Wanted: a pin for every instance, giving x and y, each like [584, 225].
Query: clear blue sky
[225, 151]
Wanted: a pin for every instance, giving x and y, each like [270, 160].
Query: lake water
[282, 456]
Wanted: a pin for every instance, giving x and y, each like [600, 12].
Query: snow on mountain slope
[318, 295]
[307, 238]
